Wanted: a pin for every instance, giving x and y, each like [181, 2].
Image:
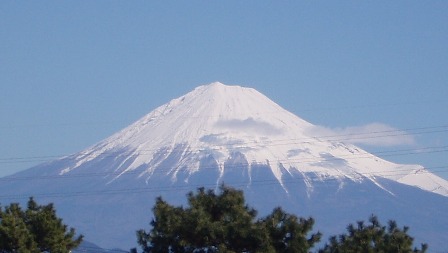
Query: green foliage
[372, 238]
[223, 223]
[288, 233]
[14, 234]
[36, 229]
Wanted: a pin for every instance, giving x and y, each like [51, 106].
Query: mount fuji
[234, 135]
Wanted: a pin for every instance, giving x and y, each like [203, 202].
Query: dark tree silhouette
[224, 223]
[373, 238]
[37, 229]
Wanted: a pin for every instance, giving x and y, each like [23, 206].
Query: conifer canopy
[222, 222]
[36, 229]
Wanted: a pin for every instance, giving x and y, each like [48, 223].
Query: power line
[362, 155]
[297, 179]
[278, 142]
[159, 189]
[331, 108]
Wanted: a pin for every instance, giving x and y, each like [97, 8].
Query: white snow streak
[219, 120]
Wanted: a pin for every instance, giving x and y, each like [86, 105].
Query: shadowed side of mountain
[234, 135]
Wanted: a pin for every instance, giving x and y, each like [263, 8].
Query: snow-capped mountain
[231, 134]
[218, 122]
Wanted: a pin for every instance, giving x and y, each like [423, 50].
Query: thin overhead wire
[254, 144]
[170, 188]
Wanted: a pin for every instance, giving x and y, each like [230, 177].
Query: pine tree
[223, 223]
[38, 229]
[373, 238]
[288, 233]
[14, 233]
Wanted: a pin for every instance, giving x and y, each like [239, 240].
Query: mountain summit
[223, 123]
[234, 135]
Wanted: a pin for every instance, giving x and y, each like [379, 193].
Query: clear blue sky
[75, 72]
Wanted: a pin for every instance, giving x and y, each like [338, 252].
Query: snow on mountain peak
[232, 122]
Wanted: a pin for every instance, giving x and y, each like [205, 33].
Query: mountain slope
[236, 135]
[220, 121]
